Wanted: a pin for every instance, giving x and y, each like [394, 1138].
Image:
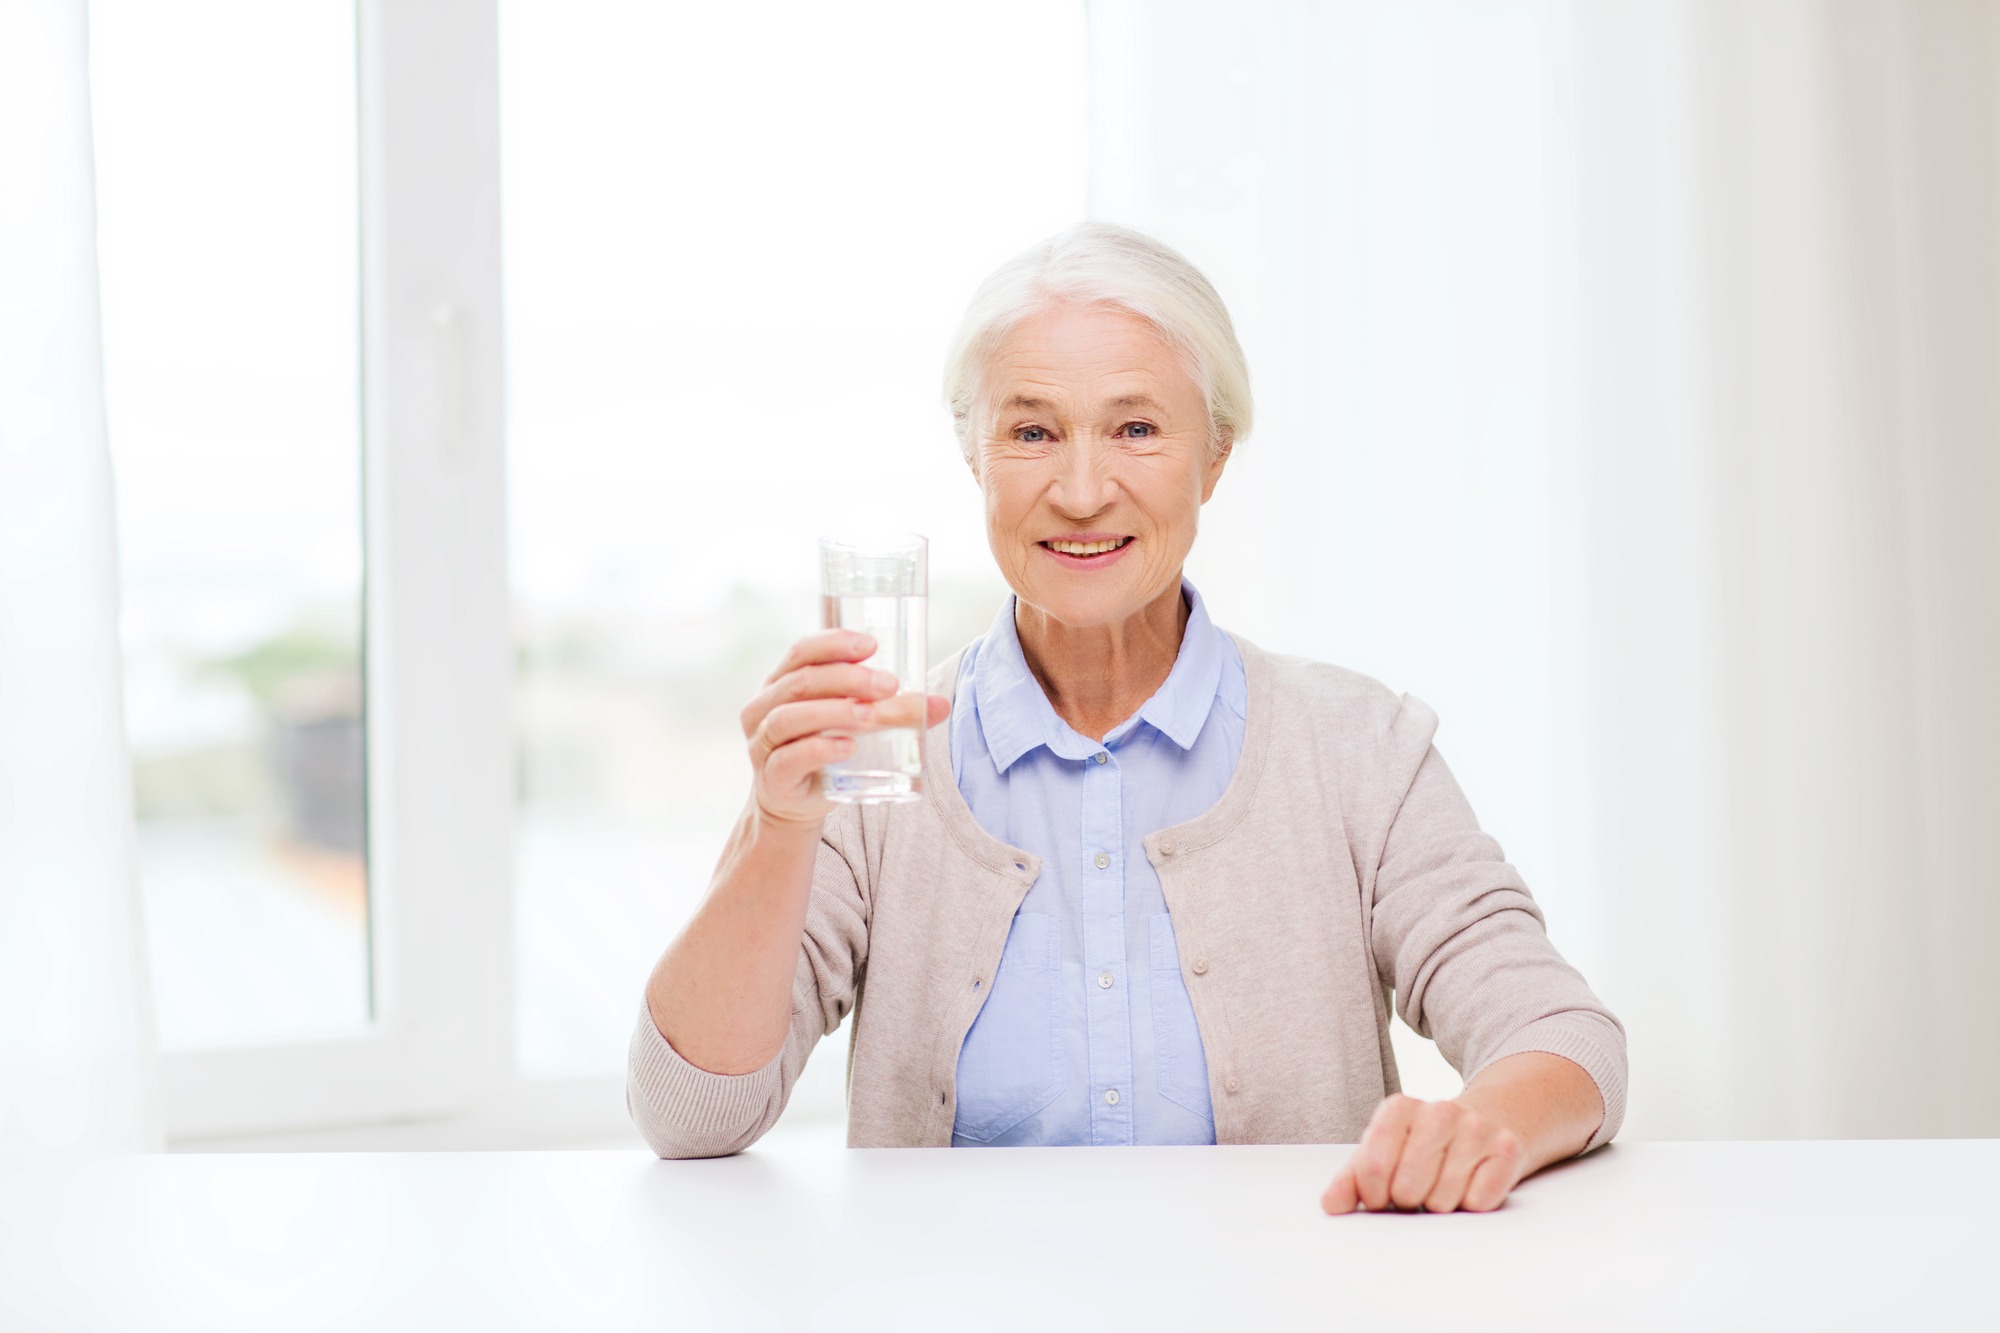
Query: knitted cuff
[1586, 1040]
[685, 1111]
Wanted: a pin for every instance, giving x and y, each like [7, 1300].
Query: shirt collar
[1015, 716]
[1185, 698]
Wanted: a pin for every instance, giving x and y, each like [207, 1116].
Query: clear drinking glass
[878, 585]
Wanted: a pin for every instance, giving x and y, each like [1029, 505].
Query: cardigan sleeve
[1457, 934]
[685, 1111]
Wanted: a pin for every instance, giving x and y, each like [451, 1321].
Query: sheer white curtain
[77, 1062]
[1625, 381]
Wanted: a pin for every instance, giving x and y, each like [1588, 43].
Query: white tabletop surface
[803, 1233]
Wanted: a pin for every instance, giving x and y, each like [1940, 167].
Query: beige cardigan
[1341, 864]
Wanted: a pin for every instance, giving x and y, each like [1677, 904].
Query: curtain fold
[1626, 390]
[78, 1066]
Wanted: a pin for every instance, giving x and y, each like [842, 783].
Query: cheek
[1004, 519]
[1175, 504]
[1007, 501]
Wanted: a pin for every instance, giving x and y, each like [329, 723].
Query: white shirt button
[1102, 861]
[1111, 1096]
[1102, 757]
[1104, 980]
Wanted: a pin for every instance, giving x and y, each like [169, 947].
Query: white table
[803, 1233]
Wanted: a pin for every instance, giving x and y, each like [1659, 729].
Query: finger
[905, 710]
[832, 645]
[789, 722]
[824, 681]
[1495, 1175]
[1374, 1162]
[792, 770]
[1468, 1148]
[1341, 1195]
[936, 709]
[1416, 1171]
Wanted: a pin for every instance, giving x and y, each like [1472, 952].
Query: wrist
[1545, 1101]
[775, 829]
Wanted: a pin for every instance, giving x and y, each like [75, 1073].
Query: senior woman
[1162, 883]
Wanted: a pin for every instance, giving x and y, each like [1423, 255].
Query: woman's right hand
[808, 714]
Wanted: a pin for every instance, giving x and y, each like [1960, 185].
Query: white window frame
[438, 648]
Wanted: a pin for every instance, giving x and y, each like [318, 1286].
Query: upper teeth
[1087, 548]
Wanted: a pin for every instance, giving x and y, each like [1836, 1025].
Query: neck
[1097, 677]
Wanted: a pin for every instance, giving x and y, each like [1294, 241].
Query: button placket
[1101, 894]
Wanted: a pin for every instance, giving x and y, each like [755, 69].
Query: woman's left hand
[1519, 1114]
[1437, 1156]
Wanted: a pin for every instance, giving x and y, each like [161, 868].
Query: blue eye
[1138, 430]
[1033, 434]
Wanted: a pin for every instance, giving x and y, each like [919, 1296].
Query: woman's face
[1091, 446]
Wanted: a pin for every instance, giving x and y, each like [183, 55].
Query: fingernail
[864, 712]
[886, 682]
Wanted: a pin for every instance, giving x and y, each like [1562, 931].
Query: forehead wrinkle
[1037, 369]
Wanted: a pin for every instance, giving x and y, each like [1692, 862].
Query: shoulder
[1328, 715]
[1354, 704]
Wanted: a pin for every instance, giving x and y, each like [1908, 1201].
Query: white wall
[1624, 380]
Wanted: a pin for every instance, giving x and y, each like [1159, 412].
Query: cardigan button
[1231, 1084]
[1166, 847]
[1200, 966]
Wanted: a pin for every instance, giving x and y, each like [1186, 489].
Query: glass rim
[871, 542]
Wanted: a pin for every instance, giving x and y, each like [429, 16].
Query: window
[321, 753]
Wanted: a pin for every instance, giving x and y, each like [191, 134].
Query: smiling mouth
[1086, 550]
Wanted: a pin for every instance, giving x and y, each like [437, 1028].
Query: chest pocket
[1011, 1064]
[1182, 1067]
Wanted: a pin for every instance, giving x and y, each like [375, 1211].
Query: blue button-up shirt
[1087, 1035]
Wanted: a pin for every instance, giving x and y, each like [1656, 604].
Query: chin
[1084, 610]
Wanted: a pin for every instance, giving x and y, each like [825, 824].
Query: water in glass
[887, 765]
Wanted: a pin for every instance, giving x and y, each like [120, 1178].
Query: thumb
[1341, 1196]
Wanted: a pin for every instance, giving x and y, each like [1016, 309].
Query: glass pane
[733, 264]
[225, 136]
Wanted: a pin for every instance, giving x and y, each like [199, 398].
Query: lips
[1088, 549]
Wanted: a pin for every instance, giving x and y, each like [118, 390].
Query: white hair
[1105, 264]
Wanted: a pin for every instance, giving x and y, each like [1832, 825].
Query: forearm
[721, 994]
[1549, 1103]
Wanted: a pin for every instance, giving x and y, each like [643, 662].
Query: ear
[1218, 456]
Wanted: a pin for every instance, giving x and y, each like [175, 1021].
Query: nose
[1084, 484]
